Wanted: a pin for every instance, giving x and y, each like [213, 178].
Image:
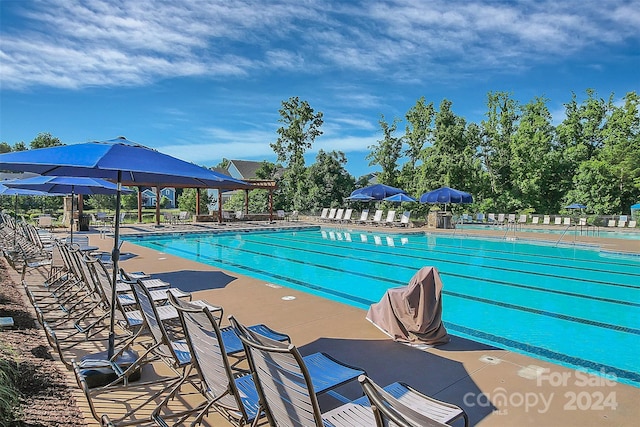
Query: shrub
[9, 395]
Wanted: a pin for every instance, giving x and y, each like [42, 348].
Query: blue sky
[203, 80]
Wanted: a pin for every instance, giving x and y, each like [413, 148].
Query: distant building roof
[220, 170]
[246, 169]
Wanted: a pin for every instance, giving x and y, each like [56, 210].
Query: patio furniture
[288, 384]
[404, 220]
[401, 405]
[364, 215]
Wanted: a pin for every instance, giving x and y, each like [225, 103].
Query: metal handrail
[563, 233]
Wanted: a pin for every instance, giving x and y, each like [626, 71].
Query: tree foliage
[301, 126]
[387, 152]
[44, 140]
[187, 201]
[329, 182]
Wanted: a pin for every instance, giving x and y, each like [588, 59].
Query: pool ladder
[565, 232]
[510, 226]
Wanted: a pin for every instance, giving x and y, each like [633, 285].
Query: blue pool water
[574, 306]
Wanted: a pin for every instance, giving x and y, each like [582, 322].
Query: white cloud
[77, 44]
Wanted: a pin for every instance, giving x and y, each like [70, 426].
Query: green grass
[9, 394]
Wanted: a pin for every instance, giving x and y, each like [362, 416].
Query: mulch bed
[46, 399]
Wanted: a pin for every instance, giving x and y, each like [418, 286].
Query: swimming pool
[571, 305]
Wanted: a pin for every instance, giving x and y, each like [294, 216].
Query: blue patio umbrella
[8, 191]
[576, 206]
[67, 185]
[446, 195]
[125, 163]
[636, 206]
[377, 191]
[399, 198]
[360, 198]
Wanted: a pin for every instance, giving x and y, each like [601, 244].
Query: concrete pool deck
[496, 387]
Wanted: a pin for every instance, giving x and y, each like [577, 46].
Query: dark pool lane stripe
[546, 313]
[399, 283]
[448, 273]
[274, 275]
[329, 244]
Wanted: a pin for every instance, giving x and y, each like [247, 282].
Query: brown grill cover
[413, 313]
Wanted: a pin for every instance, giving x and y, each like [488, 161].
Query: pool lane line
[553, 356]
[625, 329]
[520, 253]
[446, 273]
[431, 259]
[361, 246]
[443, 272]
[285, 279]
[369, 276]
[528, 256]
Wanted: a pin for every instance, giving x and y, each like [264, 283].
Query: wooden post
[140, 204]
[270, 205]
[157, 205]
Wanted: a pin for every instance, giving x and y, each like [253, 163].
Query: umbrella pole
[71, 219]
[115, 256]
[15, 221]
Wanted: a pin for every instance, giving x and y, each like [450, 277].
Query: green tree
[329, 182]
[609, 182]
[451, 159]
[20, 146]
[258, 201]
[497, 130]
[595, 185]
[130, 201]
[579, 136]
[533, 166]
[418, 133]
[4, 147]
[44, 140]
[301, 126]
[387, 152]
[187, 201]
[102, 202]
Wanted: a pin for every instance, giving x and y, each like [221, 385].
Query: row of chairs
[24, 245]
[74, 304]
[340, 215]
[622, 222]
[506, 219]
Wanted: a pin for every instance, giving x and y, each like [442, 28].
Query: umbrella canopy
[377, 191]
[636, 206]
[8, 191]
[446, 195]
[118, 160]
[576, 206]
[123, 162]
[399, 198]
[67, 185]
[360, 198]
